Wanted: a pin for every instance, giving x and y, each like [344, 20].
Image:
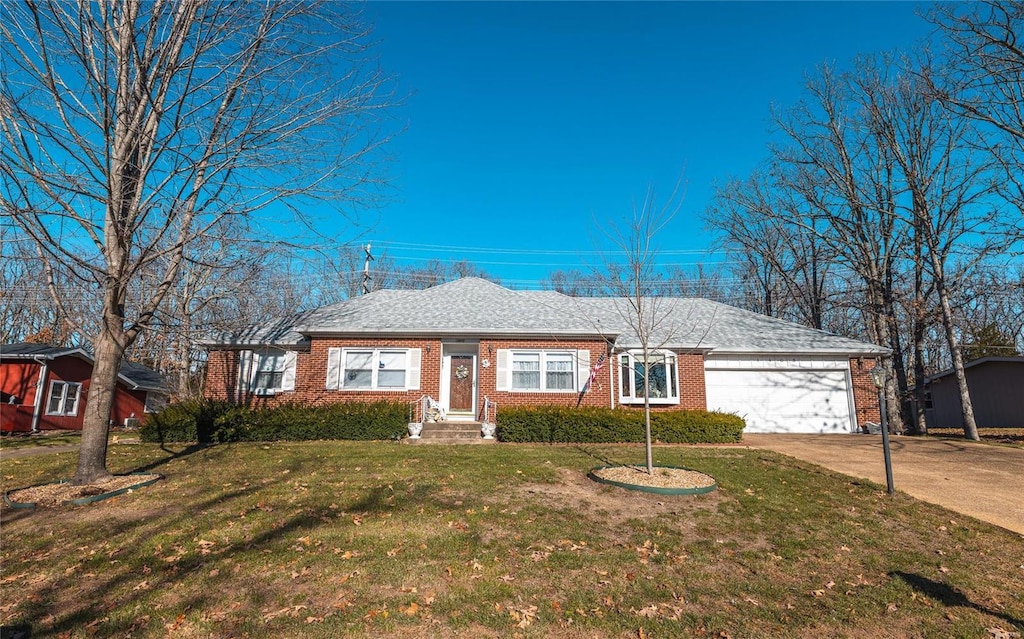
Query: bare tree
[837, 165]
[636, 282]
[777, 237]
[131, 130]
[946, 181]
[984, 77]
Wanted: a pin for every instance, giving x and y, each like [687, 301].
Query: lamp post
[878, 377]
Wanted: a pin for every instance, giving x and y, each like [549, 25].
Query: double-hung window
[374, 369]
[270, 367]
[267, 371]
[660, 372]
[63, 398]
[543, 371]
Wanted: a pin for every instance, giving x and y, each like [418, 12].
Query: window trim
[62, 410]
[543, 359]
[375, 355]
[636, 355]
[249, 369]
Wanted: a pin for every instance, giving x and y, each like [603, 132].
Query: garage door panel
[782, 401]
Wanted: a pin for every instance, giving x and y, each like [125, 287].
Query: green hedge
[551, 424]
[206, 421]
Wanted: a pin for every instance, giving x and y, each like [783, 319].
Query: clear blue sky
[530, 125]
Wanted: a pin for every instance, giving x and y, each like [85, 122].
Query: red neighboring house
[46, 387]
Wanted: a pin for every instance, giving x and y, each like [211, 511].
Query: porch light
[878, 377]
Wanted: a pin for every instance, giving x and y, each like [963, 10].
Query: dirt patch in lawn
[577, 491]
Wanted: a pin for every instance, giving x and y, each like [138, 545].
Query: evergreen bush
[206, 421]
[558, 424]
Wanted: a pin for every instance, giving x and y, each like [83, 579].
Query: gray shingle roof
[472, 307]
[136, 375]
[27, 350]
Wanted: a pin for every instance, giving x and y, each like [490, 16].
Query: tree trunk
[92, 454]
[970, 426]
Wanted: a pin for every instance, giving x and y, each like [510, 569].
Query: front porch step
[450, 433]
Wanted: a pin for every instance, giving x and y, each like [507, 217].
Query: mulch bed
[58, 494]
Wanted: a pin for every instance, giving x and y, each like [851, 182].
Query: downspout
[612, 365]
[40, 385]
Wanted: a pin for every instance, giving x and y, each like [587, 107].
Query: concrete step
[451, 426]
[450, 433]
[457, 441]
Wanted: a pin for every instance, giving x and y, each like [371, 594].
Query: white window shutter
[288, 378]
[246, 370]
[412, 375]
[582, 368]
[503, 372]
[333, 368]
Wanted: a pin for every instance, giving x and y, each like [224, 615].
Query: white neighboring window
[63, 399]
[375, 369]
[543, 371]
[663, 377]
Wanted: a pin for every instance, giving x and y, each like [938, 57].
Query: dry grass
[377, 539]
[1008, 436]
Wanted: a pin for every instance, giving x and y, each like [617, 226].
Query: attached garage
[783, 394]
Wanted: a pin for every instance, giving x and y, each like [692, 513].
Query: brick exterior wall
[865, 395]
[599, 394]
[311, 378]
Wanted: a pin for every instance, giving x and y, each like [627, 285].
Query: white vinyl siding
[662, 376]
[557, 371]
[373, 368]
[63, 398]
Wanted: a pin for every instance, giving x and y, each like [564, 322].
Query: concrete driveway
[980, 480]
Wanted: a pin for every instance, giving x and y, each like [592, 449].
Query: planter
[680, 480]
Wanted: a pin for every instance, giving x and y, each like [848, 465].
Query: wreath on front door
[461, 372]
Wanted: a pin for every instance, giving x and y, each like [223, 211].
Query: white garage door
[783, 401]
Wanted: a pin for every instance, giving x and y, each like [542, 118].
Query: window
[661, 373]
[270, 367]
[543, 371]
[63, 398]
[374, 369]
[526, 371]
[267, 371]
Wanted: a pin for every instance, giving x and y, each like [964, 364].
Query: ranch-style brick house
[45, 387]
[474, 347]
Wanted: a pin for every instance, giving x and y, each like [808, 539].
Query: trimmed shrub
[189, 421]
[223, 422]
[557, 424]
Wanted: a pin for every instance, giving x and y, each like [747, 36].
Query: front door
[460, 384]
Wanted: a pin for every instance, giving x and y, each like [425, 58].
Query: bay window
[660, 371]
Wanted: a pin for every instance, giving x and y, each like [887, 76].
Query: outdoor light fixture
[878, 376]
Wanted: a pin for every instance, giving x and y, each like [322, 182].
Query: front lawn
[329, 539]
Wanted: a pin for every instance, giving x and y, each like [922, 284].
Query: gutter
[40, 385]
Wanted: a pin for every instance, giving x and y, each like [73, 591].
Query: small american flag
[593, 375]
